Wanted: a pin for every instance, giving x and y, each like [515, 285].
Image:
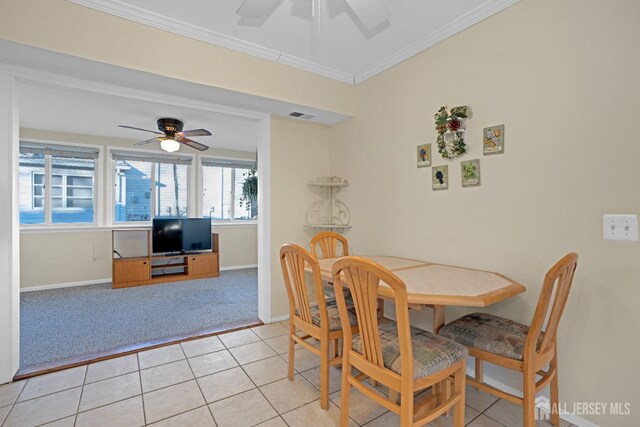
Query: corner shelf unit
[149, 269]
[329, 213]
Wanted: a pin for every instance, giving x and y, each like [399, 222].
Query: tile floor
[235, 379]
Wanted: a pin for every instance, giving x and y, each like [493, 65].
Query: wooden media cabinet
[151, 269]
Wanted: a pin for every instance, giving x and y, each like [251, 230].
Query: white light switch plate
[621, 227]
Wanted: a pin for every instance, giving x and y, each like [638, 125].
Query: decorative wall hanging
[470, 173]
[493, 140]
[450, 125]
[440, 177]
[424, 155]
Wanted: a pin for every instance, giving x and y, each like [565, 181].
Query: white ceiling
[77, 111]
[336, 45]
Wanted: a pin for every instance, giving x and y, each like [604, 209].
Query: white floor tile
[111, 368]
[246, 409]
[165, 375]
[202, 346]
[270, 330]
[224, 384]
[312, 415]
[267, 370]
[274, 422]
[200, 417]
[52, 383]
[478, 400]
[160, 356]
[9, 392]
[335, 378]
[252, 352]
[303, 360]
[238, 338]
[211, 363]
[110, 390]
[286, 395]
[65, 422]
[170, 401]
[126, 413]
[361, 408]
[44, 409]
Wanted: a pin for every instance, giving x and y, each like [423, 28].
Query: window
[150, 185]
[222, 183]
[56, 184]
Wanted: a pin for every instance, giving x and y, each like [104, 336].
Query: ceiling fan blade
[190, 143]
[370, 12]
[195, 132]
[255, 9]
[148, 141]
[145, 130]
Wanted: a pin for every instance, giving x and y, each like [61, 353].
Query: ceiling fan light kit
[170, 145]
[172, 135]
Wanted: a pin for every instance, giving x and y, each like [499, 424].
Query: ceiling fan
[172, 135]
[370, 12]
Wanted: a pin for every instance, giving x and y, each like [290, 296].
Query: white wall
[563, 78]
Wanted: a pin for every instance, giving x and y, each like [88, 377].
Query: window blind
[66, 151]
[134, 156]
[248, 164]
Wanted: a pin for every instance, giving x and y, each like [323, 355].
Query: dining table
[437, 285]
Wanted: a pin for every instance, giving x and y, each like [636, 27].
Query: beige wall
[65, 27]
[299, 153]
[51, 258]
[562, 77]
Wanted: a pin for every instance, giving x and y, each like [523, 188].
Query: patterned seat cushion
[431, 353]
[332, 309]
[490, 333]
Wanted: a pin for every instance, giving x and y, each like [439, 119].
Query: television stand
[151, 269]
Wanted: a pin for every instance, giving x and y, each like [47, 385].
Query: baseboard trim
[280, 318]
[108, 280]
[66, 285]
[238, 267]
[542, 402]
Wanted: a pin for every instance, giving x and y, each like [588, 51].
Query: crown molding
[482, 12]
[152, 19]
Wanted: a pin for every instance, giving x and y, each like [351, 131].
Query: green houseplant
[250, 191]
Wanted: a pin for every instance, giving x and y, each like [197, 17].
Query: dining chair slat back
[293, 259]
[555, 292]
[328, 242]
[363, 279]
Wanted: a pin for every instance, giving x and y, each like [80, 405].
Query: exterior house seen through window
[148, 186]
[222, 183]
[56, 184]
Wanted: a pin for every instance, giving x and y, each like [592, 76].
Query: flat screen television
[170, 235]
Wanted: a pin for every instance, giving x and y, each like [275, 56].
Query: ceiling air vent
[304, 116]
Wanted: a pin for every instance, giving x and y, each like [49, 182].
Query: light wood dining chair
[392, 353]
[522, 348]
[312, 313]
[328, 242]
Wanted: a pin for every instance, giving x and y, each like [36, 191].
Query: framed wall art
[424, 155]
[470, 173]
[493, 140]
[440, 177]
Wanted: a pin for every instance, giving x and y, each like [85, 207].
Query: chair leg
[292, 349]
[346, 396]
[555, 408]
[324, 373]
[479, 375]
[529, 398]
[459, 387]
[406, 409]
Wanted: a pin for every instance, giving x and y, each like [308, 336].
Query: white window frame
[97, 188]
[110, 194]
[231, 220]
